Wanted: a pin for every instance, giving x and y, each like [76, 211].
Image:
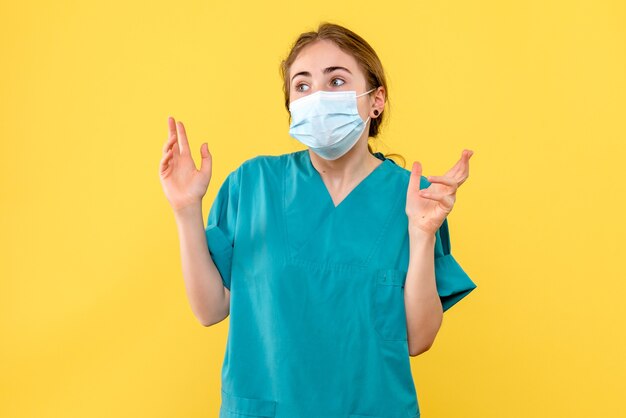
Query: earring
[376, 112]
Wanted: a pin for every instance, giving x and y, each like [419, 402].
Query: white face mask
[327, 121]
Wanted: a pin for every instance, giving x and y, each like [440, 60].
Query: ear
[379, 102]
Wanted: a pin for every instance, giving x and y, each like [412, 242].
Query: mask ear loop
[375, 110]
[368, 118]
[366, 92]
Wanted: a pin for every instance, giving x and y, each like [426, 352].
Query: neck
[356, 163]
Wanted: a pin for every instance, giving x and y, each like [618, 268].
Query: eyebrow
[326, 71]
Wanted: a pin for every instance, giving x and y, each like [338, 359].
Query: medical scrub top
[317, 318]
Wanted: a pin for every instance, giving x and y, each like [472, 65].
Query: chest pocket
[388, 307]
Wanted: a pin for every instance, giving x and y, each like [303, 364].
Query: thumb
[205, 163]
[416, 175]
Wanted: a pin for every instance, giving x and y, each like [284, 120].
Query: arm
[435, 281]
[424, 312]
[184, 186]
[209, 299]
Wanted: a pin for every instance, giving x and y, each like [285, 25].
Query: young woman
[333, 262]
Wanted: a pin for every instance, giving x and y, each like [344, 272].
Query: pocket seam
[391, 277]
[385, 278]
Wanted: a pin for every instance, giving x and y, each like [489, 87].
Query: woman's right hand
[183, 184]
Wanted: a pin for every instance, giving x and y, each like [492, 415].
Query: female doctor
[333, 262]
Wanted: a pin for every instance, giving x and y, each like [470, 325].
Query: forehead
[321, 54]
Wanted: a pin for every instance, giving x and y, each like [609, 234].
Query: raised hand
[427, 208]
[183, 184]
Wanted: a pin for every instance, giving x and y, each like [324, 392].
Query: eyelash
[336, 78]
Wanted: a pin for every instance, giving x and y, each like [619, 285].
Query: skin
[185, 186]
[343, 174]
[426, 209]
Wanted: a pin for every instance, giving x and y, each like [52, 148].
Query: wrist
[188, 211]
[419, 235]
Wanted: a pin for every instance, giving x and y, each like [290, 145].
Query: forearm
[203, 283]
[424, 312]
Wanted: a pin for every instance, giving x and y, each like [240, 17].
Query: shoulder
[268, 163]
[265, 161]
[264, 168]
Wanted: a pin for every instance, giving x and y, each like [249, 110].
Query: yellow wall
[95, 321]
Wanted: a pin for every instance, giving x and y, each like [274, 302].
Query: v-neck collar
[312, 171]
[349, 234]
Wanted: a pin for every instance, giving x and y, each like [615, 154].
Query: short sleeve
[221, 223]
[453, 284]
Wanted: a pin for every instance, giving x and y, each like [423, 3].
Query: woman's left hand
[427, 208]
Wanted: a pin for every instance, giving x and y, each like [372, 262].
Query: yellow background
[95, 321]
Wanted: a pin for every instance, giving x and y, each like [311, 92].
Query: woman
[333, 262]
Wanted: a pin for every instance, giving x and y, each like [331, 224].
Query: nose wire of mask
[327, 121]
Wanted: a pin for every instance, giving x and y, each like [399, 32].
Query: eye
[342, 82]
[298, 87]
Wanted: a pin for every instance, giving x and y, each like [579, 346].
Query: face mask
[327, 121]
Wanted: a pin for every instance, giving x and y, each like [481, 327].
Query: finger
[182, 139]
[448, 180]
[460, 167]
[175, 153]
[168, 144]
[446, 200]
[172, 136]
[429, 194]
[464, 160]
[168, 156]
[164, 165]
[205, 163]
[416, 174]
[465, 156]
[171, 123]
[463, 171]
